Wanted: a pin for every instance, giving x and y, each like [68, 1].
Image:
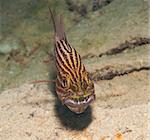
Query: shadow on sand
[67, 118]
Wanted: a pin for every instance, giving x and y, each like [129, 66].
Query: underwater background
[112, 37]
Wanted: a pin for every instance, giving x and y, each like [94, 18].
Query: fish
[74, 87]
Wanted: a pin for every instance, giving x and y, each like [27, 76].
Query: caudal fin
[58, 26]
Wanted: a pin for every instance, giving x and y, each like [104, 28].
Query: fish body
[74, 87]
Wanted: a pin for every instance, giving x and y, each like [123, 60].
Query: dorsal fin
[58, 26]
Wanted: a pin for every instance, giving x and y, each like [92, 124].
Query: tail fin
[58, 26]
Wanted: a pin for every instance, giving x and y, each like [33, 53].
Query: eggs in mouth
[79, 106]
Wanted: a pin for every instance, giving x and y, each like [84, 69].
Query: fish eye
[64, 83]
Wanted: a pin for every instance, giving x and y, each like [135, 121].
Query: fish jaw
[79, 106]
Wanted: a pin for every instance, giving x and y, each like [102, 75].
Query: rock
[7, 47]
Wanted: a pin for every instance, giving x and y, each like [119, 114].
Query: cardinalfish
[74, 87]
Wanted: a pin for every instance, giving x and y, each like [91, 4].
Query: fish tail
[58, 26]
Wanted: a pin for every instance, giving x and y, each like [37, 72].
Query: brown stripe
[79, 70]
[68, 49]
[77, 60]
[67, 60]
[62, 63]
[65, 55]
[68, 64]
[59, 66]
[68, 44]
[71, 58]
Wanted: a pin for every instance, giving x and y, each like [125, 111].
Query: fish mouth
[79, 103]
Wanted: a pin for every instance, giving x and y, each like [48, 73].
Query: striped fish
[74, 87]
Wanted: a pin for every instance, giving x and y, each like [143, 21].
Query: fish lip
[72, 103]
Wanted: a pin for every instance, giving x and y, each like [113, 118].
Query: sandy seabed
[120, 112]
